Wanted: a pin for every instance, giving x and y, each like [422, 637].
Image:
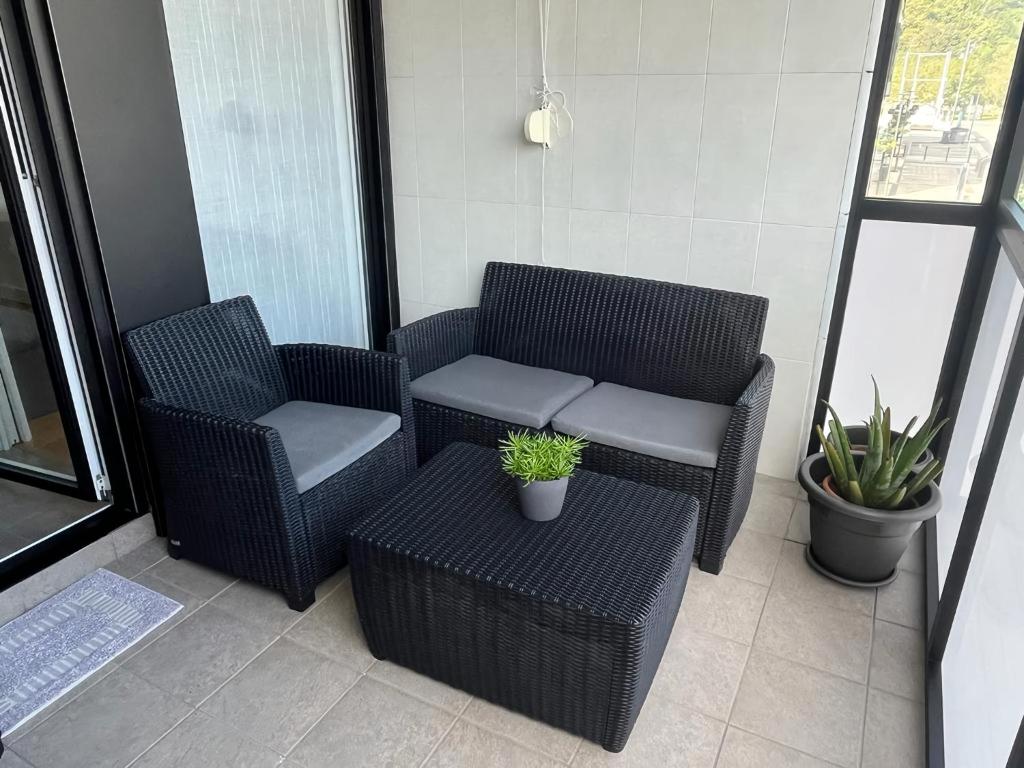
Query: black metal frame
[995, 224]
[374, 146]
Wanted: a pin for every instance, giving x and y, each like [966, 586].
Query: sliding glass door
[265, 92]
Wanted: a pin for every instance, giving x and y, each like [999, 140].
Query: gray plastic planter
[858, 545]
[858, 434]
[542, 500]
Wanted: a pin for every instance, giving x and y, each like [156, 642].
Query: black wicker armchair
[265, 457]
[681, 393]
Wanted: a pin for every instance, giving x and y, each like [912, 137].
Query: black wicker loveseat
[667, 381]
[265, 457]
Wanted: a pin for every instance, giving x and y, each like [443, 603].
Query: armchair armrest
[737, 464]
[435, 341]
[227, 487]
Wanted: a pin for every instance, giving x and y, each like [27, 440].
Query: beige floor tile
[893, 733]
[190, 604]
[277, 698]
[139, 559]
[12, 760]
[109, 725]
[825, 638]
[195, 579]
[913, 558]
[745, 750]
[809, 710]
[667, 735]
[61, 701]
[902, 602]
[203, 741]
[468, 746]
[796, 578]
[897, 660]
[534, 734]
[701, 671]
[799, 529]
[201, 653]
[778, 486]
[374, 724]
[420, 686]
[722, 605]
[753, 557]
[258, 605]
[331, 627]
[769, 513]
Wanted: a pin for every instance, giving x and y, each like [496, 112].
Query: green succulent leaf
[533, 456]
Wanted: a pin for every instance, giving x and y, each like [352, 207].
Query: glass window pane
[983, 667]
[944, 99]
[989, 359]
[903, 292]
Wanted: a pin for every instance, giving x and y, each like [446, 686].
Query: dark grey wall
[120, 85]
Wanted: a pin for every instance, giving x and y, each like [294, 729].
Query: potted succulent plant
[866, 504]
[541, 465]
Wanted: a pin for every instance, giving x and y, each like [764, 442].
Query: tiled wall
[711, 144]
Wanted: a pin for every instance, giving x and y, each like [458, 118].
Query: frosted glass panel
[983, 668]
[905, 285]
[1002, 309]
[266, 107]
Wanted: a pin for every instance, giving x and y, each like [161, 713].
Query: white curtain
[14, 427]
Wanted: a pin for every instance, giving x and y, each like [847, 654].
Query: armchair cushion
[685, 431]
[320, 440]
[499, 389]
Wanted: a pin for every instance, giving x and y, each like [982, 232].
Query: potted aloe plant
[867, 503]
[541, 465]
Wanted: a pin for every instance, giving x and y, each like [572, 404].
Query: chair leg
[173, 550]
[300, 602]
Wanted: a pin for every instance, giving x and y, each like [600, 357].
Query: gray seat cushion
[685, 431]
[321, 439]
[501, 390]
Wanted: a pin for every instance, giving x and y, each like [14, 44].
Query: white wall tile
[411, 311]
[608, 37]
[557, 158]
[735, 145]
[810, 148]
[490, 236]
[723, 254]
[489, 37]
[658, 247]
[443, 252]
[440, 150]
[668, 114]
[597, 241]
[407, 247]
[747, 35]
[556, 235]
[792, 267]
[398, 37]
[402, 125]
[784, 431]
[492, 135]
[674, 37]
[603, 145]
[826, 36]
[437, 33]
[561, 38]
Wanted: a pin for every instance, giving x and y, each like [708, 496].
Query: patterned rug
[63, 640]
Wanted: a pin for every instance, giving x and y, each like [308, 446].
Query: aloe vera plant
[882, 480]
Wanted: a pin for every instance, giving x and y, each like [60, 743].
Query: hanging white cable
[550, 100]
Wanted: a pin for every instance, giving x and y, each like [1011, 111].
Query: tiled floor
[28, 514]
[769, 665]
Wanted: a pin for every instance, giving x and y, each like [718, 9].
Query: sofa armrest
[226, 487]
[435, 341]
[737, 463]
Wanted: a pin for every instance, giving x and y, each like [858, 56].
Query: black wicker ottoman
[564, 621]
